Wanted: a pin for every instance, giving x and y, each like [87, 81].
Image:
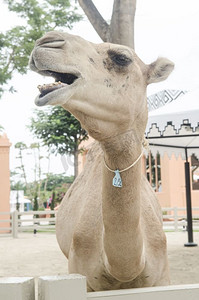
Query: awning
[174, 128]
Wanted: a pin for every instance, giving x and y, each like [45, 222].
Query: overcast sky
[167, 28]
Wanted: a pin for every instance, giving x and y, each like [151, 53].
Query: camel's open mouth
[61, 80]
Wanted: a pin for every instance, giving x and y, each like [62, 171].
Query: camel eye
[119, 58]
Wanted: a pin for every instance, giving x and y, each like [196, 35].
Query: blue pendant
[117, 180]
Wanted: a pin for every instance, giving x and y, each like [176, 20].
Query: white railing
[73, 287]
[30, 221]
[174, 219]
[33, 221]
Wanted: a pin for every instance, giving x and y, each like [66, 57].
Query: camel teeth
[49, 85]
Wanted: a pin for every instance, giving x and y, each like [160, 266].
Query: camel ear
[159, 70]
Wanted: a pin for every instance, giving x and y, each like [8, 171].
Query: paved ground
[40, 255]
[183, 261]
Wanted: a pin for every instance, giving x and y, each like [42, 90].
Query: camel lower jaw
[56, 93]
[57, 96]
[64, 83]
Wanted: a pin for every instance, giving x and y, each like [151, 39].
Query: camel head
[102, 85]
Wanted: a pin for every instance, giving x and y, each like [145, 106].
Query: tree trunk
[95, 18]
[47, 174]
[121, 28]
[122, 22]
[23, 168]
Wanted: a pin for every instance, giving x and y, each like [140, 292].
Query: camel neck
[122, 151]
[121, 207]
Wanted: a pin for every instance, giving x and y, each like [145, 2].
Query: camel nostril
[51, 43]
[51, 40]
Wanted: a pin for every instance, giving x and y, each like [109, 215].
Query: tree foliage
[56, 181]
[59, 130]
[38, 17]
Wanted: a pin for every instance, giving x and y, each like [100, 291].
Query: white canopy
[174, 128]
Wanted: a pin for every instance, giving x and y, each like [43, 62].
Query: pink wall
[82, 156]
[173, 184]
[4, 178]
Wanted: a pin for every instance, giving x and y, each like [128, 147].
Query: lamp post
[190, 242]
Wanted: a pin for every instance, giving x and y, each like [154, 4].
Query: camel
[109, 224]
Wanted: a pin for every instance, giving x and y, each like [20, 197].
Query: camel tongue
[47, 88]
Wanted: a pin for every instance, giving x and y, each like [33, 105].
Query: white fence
[33, 221]
[30, 221]
[73, 287]
[174, 219]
